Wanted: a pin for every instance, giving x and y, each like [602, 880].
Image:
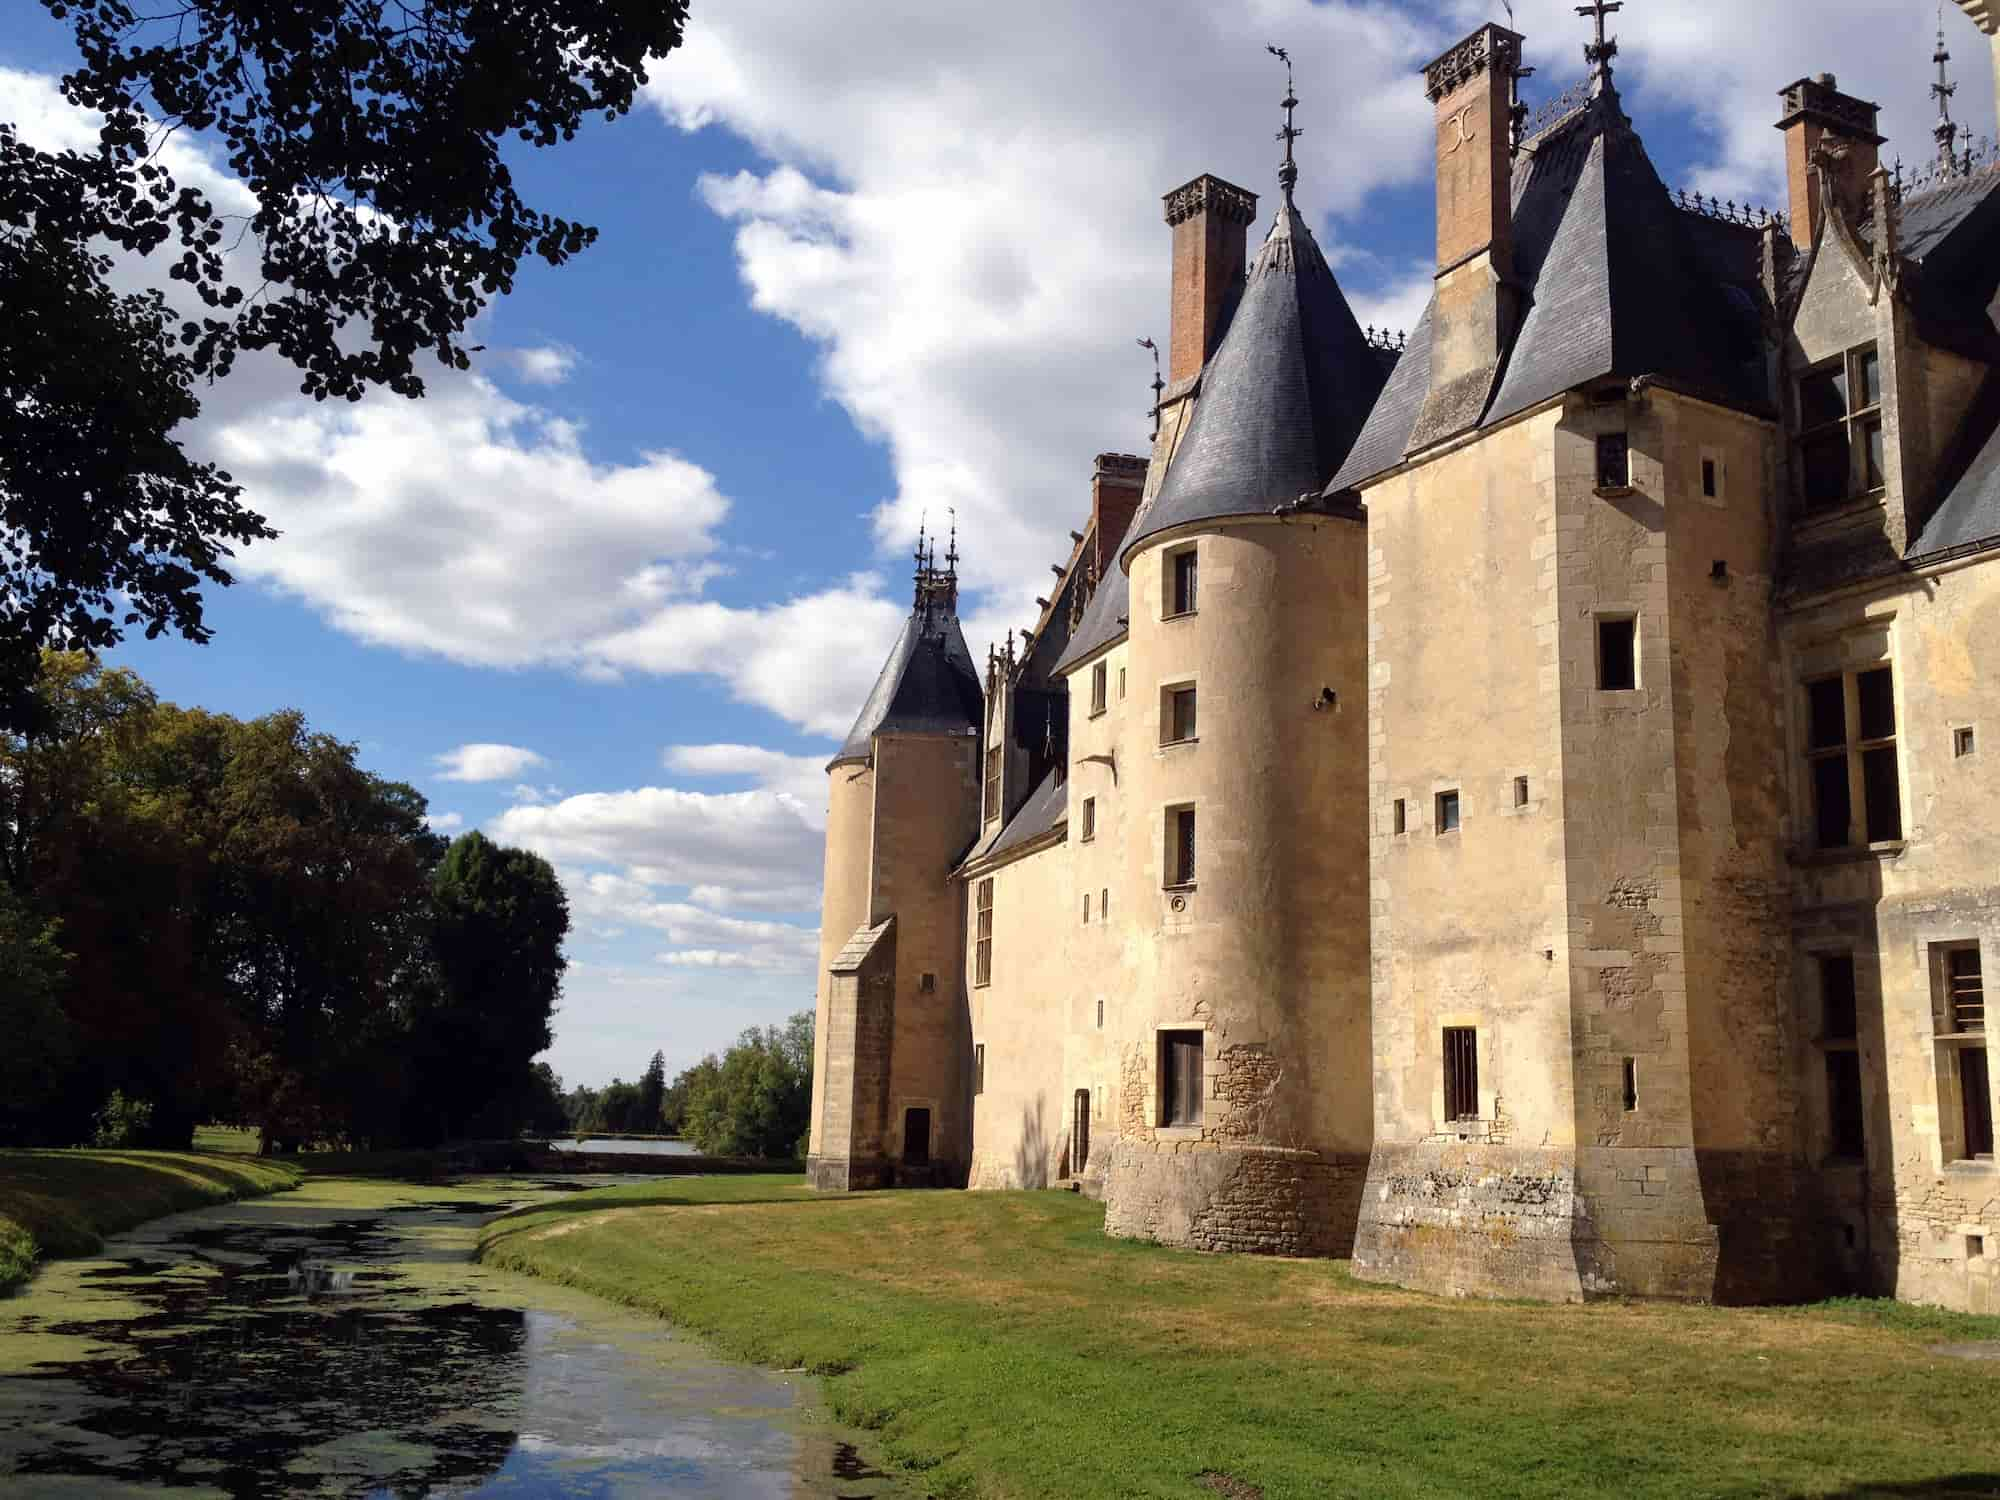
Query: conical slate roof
[928, 686]
[1281, 399]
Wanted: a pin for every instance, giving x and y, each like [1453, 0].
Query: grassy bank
[58, 1203]
[1003, 1346]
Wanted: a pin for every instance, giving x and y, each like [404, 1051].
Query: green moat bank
[1000, 1345]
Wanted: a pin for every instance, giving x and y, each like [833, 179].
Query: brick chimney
[1117, 481]
[1211, 221]
[1826, 128]
[1471, 87]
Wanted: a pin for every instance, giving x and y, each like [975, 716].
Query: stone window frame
[1853, 750]
[1173, 606]
[1828, 1043]
[1173, 877]
[982, 946]
[1158, 1104]
[989, 800]
[1965, 740]
[1100, 675]
[1087, 821]
[1170, 699]
[1952, 1043]
[1449, 1028]
[1457, 796]
[1854, 426]
[1399, 817]
[1711, 477]
[978, 1068]
[1618, 615]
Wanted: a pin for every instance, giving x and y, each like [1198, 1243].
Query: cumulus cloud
[484, 762]
[602, 897]
[444, 822]
[546, 364]
[800, 777]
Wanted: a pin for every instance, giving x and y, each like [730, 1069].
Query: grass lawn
[1002, 1346]
[58, 1203]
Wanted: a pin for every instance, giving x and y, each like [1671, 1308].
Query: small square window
[1614, 461]
[1520, 791]
[1963, 742]
[1617, 654]
[1447, 812]
[1089, 830]
[1177, 720]
[1399, 818]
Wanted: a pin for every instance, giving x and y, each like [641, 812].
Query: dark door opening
[917, 1137]
[1079, 1134]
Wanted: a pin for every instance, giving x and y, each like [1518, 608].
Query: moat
[340, 1340]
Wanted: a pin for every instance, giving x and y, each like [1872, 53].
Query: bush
[122, 1121]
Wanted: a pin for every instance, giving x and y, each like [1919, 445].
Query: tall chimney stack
[1211, 221]
[1471, 87]
[1824, 127]
[1117, 484]
[1986, 16]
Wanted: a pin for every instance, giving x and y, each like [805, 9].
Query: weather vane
[1600, 52]
[1159, 385]
[1288, 174]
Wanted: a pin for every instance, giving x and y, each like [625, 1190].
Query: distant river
[627, 1148]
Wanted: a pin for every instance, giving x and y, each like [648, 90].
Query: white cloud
[484, 762]
[444, 822]
[802, 777]
[546, 364]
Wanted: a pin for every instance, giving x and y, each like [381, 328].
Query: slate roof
[1104, 620]
[1969, 513]
[1616, 280]
[928, 686]
[1282, 397]
[1047, 807]
[1949, 231]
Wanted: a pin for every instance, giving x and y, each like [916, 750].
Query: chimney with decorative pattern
[1211, 222]
[1830, 144]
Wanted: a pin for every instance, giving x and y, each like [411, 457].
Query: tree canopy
[372, 136]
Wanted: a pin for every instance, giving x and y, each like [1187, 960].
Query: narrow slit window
[1708, 478]
[1089, 830]
[1104, 903]
[1447, 812]
[1617, 654]
[1079, 1133]
[1181, 593]
[1180, 846]
[1614, 461]
[1121, 683]
[979, 1067]
[1399, 817]
[1520, 791]
[1086, 906]
[1180, 1078]
[992, 790]
[1631, 1085]
[1461, 1073]
[1100, 1015]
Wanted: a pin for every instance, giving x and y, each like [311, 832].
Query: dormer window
[1838, 455]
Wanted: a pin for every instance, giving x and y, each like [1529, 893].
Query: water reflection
[302, 1346]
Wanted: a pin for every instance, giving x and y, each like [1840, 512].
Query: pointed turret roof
[929, 684]
[1282, 397]
[1617, 280]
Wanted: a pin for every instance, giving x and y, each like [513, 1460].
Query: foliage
[1001, 1343]
[263, 931]
[59, 1203]
[122, 1122]
[40, 1041]
[756, 1099]
[482, 1012]
[653, 1091]
[386, 218]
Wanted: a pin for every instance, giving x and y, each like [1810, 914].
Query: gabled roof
[1282, 398]
[928, 686]
[1615, 280]
[1104, 620]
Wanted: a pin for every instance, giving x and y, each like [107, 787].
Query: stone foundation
[828, 1174]
[1562, 1225]
[1262, 1200]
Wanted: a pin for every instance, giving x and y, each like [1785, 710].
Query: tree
[652, 1094]
[40, 1041]
[371, 137]
[498, 920]
[756, 1099]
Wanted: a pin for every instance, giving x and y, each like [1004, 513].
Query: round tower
[1247, 1118]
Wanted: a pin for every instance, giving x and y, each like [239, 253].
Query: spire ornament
[1946, 130]
[1599, 53]
[1288, 171]
[1159, 385]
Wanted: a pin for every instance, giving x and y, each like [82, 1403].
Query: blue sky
[858, 264]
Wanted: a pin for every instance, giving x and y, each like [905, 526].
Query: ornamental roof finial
[1599, 53]
[1945, 131]
[1159, 385]
[1288, 171]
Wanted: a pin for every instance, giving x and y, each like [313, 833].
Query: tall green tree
[40, 1042]
[373, 136]
[652, 1094]
[756, 1099]
[498, 920]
